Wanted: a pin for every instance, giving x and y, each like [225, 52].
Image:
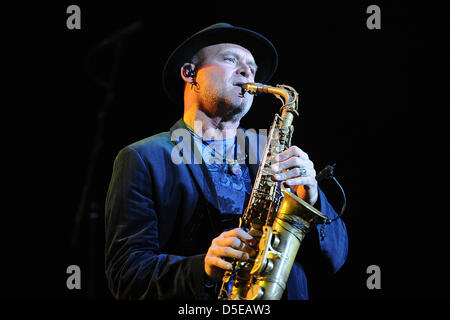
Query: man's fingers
[294, 162]
[307, 176]
[218, 262]
[233, 243]
[239, 233]
[230, 242]
[300, 181]
[293, 151]
[236, 244]
[228, 252]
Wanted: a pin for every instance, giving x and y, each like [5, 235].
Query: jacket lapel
[182, 140]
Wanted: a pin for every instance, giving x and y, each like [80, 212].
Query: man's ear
[188, 72]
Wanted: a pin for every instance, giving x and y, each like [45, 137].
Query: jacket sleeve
[333, 238]
[135, 268]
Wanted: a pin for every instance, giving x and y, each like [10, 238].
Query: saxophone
[276, 218]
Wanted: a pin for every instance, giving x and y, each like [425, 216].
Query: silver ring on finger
[303, 172]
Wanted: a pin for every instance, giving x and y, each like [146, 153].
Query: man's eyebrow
[236, 55]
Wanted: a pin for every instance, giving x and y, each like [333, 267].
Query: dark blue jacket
[161, 217]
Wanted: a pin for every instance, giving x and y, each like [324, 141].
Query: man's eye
[231, 59]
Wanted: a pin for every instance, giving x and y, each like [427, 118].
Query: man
[171, 225]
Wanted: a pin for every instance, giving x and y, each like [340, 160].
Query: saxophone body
[277, 218]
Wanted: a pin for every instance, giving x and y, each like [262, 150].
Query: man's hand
[235, 243]
[298, 170]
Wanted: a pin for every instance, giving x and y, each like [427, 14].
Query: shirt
[233, 189]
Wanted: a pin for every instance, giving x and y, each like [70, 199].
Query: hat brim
[261, 48]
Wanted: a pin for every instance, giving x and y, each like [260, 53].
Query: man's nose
[245, 71]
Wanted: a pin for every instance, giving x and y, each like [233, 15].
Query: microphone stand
[109, 86]
[98, 142]
[89, 177]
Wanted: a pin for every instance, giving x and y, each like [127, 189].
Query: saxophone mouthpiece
[252, 88]
[243, 89]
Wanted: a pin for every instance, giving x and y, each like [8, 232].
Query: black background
[372, 101]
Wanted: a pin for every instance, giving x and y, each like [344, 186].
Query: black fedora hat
[262, 49]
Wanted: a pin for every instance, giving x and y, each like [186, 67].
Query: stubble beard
[225, 106]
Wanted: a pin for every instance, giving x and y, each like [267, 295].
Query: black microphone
[325, 173]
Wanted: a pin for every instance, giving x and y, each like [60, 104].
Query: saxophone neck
[285, 93]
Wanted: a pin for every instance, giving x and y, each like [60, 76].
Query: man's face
[224, 67]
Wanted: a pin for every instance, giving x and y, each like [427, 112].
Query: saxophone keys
[255, 292]
[275, 241]
[269, 266]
